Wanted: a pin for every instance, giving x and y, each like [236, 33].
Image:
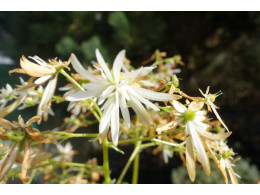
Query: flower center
[189, 115]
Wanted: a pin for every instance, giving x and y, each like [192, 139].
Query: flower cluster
[152, 92]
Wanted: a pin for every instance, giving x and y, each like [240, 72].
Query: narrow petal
[179, 107]
[115, 121]
[81, 70]
[5, 124]
[211, 136]
[105, 119]
[143, 100]
[200, 149]
[8, 160]
[103, 65]
[135, 75]
[42, 79]
[47, 96]
[140, 111]
[8, 109]
[117, 65]
[38, 60]
[32, 120]
[80, 95]
[158, 96]
[21, 121]
[124, 111]
[26, 160]
[95, 86]
[170, 126]
[232, 175]
[218, 117]
[190, 161]
[109, 101]
[105, 94]
[40, 157]
[222, 168]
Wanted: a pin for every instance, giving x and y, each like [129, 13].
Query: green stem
[147, 138]
[72, 134]
[92, 110]
[96, 107]
[106, 162]
[130, 160]
[57, 163]
[62, 71]
[136, 164]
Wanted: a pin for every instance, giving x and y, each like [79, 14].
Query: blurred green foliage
[249, 174]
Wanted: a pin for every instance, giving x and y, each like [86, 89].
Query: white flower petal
[124, 93]
[103, 65]
[124, 111]
[179, 107]
[47, 95]
[42, 79]
[152, 95]
[218, 117]
[95, 86]
[105, 94]
[140, 111]
[115, 121]
[203, 132]
[200, 149]
[109, 101]
[80, 95]
[117, 65]
[190, 161]
[38, 60]
[105, 120]
[143, 100]
[81, 70]
[143, 71]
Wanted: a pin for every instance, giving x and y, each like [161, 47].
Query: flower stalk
[106, 162]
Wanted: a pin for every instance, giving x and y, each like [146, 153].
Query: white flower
[66, 152]
[210, 98]
[44, 107]
[6, 95]
[225, 163]
[44, 71]
[167, 153]
[117, 89]
[192, 118]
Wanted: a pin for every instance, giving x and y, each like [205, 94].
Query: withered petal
[36, 70]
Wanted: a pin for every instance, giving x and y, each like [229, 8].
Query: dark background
[219, 49]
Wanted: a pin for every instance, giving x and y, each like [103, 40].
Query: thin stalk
[71, 134]
[130, 160]
[106, 162]
[92, 110]
[147, 138]
[62, 71]
[58, 163]
[136, 159]
[136, 165]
